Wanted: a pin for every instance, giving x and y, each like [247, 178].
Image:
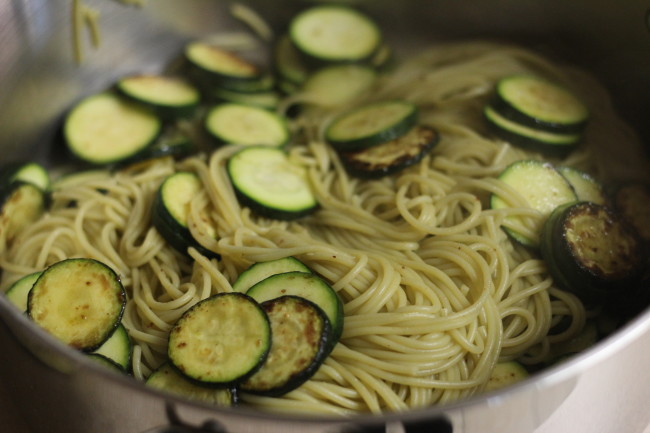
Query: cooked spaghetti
[434, 291]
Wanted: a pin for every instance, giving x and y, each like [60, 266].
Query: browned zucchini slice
[392, 156]
[300, 339]
[80, 301]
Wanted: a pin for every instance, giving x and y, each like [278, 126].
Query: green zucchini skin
[79, 301]
[173, 228]
[371, 124]
[592, 252]
[167, 379]
[106, 362]
[549, 143]
[538, 103]
[211, 66]
[220, 341]
[26, 171]
[392, 156]
[169, 97]
[308, 286]
[301, 332]
[262, 270]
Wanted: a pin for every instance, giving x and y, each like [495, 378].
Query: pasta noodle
[434, 291]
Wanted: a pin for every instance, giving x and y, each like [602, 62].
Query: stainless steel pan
[55, 389]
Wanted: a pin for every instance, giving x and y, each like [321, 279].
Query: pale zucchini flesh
[118, 348]
[18, 292]
[159, 89]
[543, 189]
[335, 34]
[31, 172]
[587, 188]
[167, 379]
[270, 183]
[105, 128]
[337, 85]
[262, 270]
[247, 125]
[220, 61]
[371, 124]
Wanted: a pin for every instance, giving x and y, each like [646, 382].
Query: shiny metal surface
[56, 389]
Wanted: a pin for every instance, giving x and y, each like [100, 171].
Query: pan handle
[434, 425]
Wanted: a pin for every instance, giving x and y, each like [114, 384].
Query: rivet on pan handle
[434, 425]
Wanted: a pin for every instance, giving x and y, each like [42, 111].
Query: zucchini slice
[31, 172]
[593, 251]
[538, 103]
[300, 340]
[586, 187]
[170, 97]
[505, 374]
[106, 362]
[371, 124]
[18, 292]
[632, 201]
[304, 285]
[172, 142]
[333, 33]
[118, 348]
[221, 340]
[287, 61]
[246, 125]
[338, 85]
[269, 100]
[392, 156]
[531, 138]
[22, 203]
[541, 185]
[270, 184]
[80, 301]
[171, 208]
[106, 128]
[166, 378]
[222, 67]
[262, 270]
